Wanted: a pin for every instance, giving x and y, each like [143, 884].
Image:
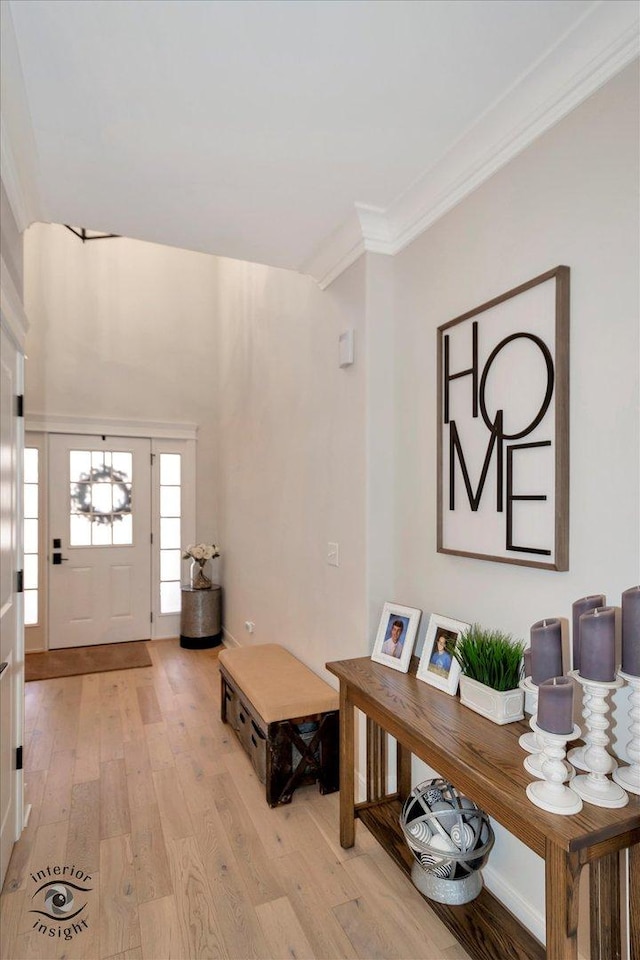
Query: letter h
[473, 370]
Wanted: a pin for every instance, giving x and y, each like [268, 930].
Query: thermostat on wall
[346, 348]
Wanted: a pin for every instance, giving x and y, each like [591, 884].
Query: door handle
[57, 559]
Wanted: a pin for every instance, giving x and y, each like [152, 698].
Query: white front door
[99, 540]
[11, 677]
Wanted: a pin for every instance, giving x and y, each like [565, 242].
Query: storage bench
[286, 718]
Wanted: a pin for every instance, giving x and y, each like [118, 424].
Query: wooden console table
[484, 761]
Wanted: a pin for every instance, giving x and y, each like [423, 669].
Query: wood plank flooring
[135, 782]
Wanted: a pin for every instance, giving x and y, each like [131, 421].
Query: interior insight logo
[60, 898]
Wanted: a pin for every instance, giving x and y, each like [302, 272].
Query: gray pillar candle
[598, 644]
[631, 631]
[546, 650]
[583, 606]
[527, 662]
[555, 705]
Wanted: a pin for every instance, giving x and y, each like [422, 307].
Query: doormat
[76, 660]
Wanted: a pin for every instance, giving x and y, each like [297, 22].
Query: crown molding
[157, 430]
[599, 46]
[18, 152]
[14, 317]
[18, 200]
[336, 253]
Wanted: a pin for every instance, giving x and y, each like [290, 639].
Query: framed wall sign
[503, 427]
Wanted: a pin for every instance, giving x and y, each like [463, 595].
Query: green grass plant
[490, 657]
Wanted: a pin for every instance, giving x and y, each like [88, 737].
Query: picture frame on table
[438, 666]
[396, 636]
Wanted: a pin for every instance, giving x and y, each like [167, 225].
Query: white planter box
[499, 707]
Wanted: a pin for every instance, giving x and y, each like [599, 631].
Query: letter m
[455, 448]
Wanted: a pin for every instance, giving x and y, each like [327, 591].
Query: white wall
[292, 460]
[125, 330]
[571, 198]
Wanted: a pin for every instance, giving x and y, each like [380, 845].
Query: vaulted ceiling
[295, 133]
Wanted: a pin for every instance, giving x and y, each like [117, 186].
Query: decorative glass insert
[30, 536]
[100, 498]
[170, 532]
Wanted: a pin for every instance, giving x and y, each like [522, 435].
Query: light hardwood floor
[133, 780]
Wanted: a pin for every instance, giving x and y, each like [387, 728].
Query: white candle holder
[594, 786]
[529, 741]
[533, 763]
[576, 755]
[629, 777]
[551, 794]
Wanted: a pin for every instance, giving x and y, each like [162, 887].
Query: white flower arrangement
[201, 552]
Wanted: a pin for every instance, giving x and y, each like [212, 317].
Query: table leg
[562, 875]
[604, 907]
[376, 761]
[634, 902]
[403, 771]
[347, 794]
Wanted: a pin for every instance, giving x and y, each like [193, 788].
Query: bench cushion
[279, 686]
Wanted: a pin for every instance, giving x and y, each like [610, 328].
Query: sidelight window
[30, 534]
[170, 531]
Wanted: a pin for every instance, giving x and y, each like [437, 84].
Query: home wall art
[503, 427]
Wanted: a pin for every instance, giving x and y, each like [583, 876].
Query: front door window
[100, 498]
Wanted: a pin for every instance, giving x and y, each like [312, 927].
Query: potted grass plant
[491, 665]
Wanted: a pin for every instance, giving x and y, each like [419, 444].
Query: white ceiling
[289, 132]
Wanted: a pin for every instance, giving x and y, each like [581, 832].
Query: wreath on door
[82, 495]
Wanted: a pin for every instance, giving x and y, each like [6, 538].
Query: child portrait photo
[438, 665]
[396, 636]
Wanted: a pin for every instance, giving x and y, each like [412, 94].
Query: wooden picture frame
[503, 427]
[437, 664]
[396, 636]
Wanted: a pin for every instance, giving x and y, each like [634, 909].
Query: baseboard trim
[515, 902]
[228, 638]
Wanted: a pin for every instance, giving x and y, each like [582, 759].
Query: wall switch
[249, 626]
[332, 555]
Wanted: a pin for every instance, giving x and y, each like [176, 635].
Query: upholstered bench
[285, 717]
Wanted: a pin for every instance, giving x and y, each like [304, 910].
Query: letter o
[547, 397]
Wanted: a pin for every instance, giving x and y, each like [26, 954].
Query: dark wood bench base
[288, 753]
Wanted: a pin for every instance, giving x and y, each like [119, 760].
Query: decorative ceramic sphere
[450, 839]
[439, 866]
[419, 830]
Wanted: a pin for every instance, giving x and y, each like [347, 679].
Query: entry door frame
[102, 592]
[14, 325]
[165, 438]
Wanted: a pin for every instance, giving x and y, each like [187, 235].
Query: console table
[484, 761]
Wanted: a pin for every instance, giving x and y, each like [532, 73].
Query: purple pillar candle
[598, 644]
[546, 650]
[583, 606]
[527, 662]
[555, 705]
[631, 632]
